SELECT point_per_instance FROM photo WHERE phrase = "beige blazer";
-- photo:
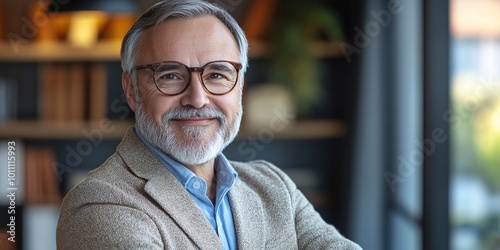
(133, 202)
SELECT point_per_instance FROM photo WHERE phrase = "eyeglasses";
(172, 78)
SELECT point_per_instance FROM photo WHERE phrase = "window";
(475, 124)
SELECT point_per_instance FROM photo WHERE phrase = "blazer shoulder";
(256, 166)
(261, 172)
(112, 181)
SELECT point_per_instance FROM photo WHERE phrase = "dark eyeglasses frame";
(155, 66)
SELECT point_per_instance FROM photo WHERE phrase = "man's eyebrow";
(220, 66)
(169, 66)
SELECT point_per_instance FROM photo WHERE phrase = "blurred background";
(386, 113)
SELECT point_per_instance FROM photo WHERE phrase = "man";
(168, 186)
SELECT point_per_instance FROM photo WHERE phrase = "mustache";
(188, 112)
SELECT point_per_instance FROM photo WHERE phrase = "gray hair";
(164, 9)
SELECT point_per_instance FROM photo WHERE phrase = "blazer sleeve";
(95, 215)
(105, 226)
(312, 231)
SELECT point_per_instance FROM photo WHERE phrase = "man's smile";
(195, 121)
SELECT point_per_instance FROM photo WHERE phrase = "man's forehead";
(185, 25)
(188, 35)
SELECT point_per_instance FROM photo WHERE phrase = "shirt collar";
(226, 175)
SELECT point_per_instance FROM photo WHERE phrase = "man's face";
(194, 126)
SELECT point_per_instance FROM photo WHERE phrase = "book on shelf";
(73, 91)
(6, 244)
(32, 184)
(98, 92)
(2, 24)
(8, 99)
(50, 185)
(77, 92)
(60, 90)
(41, 183)
(13, 19)
(47, 95)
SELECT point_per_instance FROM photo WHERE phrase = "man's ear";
(128, 89)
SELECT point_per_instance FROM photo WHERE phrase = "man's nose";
(195, 95)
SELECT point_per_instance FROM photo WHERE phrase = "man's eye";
(216, 76)
(169, 77)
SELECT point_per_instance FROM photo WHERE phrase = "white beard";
(194, 149)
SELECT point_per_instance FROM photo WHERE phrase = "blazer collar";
(164, 188)
(248, 214)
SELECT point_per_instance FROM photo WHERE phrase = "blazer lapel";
(175, 200)
(164, 188)
(248, 216)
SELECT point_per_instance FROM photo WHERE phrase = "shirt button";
(196, 184)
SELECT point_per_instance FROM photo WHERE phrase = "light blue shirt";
(219, 215)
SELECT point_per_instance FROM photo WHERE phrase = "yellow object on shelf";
(85, 27)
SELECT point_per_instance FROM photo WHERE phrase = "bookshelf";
(46, 53)
(110, 51)
(59, 51)
(53, 130)
(308, 129)
(52, 125)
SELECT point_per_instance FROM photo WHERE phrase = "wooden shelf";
(115, 129)
(39, 130)
(50, 51)
(310, 129)
(260, 49)
(110, 51)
